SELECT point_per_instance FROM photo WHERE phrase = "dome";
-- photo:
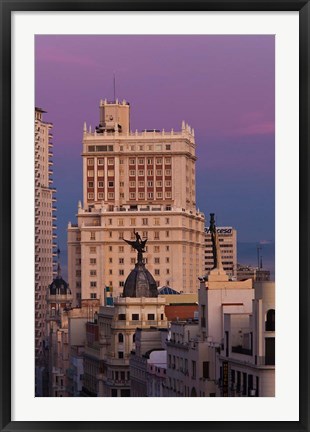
(140, 283)
(59, 286)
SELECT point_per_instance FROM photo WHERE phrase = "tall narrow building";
(135, 181)
(44, 237)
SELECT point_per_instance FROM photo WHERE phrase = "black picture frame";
(6, 9)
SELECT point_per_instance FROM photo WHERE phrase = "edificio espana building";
(228, 244)
(135, 181)
(44, 237)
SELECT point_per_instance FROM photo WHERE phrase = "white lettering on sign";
(220, 230)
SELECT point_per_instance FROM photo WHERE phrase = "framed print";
(155, 180)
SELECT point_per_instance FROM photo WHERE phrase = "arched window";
(270, 320)
(120, 337)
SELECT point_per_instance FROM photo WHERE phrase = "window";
(132, 172)
(156, 260)
(168, 147)
(93, 272)
(150, 195)
(121, 184)
(132, 184)
(193, 369)
(150, 184)
(135, 317)
(121, 260)
(156, 249)
(132, 260)
(132, 161)
(205, 369)
(120, 354)
(110, 195)
(110, 221)
(168, 194)
(144, 221)
(78, 273)
(149, 172)
(110, 161)
(93, 295)
(167, 160)
(168, 183)
(120, 337)
(100, 161)
(167, 233)
(93, 236)
(158, 147)
(90, 184)
(111, 184)
(167, 172)
(90, 162)
(92, 249)
(92, 261)
(270, 320)
(93, 284)
(90, 196)
(167, 248)
(159, 183)
(141, 161)
(159, 161)
(110, 248)
(121, 317)
(157, 272)
(159, 195)
(100, 173)
(141, 172)
(121, 161)
(159, 172)
(100, 195)
(132, 195)
(120, 222)
(156, 235)
(151, 317)
(121, 283)
(167, 220)
(156, 221)
(141, 184)
(167, 271)
(121, 272)
(150, 161)
(141, 195)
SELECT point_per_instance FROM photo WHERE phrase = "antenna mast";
(114, 86)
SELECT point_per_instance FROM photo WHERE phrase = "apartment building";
(228, 244)
(135, 181)
(45, 236)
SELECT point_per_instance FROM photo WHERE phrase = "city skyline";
(222, 85)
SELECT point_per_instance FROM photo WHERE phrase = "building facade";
(135, 181)
(45, 235)
(255, 273)
(228, 244)
(247, 358)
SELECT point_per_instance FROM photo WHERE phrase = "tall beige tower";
(44, 232)
(142, 181)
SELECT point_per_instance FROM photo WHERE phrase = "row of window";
(136, 317)
(132, 195)
(121, 236)
(149, 147)
(140, 173)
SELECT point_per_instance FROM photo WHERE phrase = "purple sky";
(223, 86)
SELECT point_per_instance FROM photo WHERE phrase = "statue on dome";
(138, 245)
